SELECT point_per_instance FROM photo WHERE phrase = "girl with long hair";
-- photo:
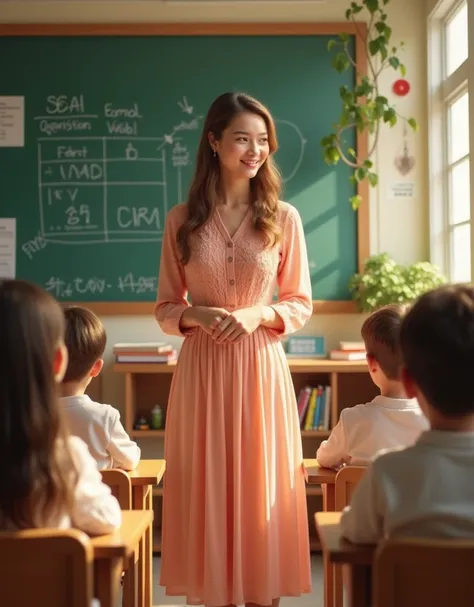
(235, 527)
(47, 478)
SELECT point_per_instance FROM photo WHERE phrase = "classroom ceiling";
(171, 1)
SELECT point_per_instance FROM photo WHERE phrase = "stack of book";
(145, 352)
(349, 350)
(314, 407)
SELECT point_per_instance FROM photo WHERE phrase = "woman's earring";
(215, 154)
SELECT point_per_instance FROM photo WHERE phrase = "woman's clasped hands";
(229, 327)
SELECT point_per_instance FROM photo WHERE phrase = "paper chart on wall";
(401, 190)
(12, 122)
(7, 248)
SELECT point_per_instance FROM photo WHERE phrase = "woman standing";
(235, 526)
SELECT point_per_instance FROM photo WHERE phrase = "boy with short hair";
(390, 419)
(426, 490)
(98, 425)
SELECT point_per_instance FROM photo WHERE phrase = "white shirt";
(100, 428)
(364, 430)
(423, 491)
(95, 510)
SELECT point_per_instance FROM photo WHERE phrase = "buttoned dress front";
(235, 526)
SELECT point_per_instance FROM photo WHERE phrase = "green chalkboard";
(111, 125)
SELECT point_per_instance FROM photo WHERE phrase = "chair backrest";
(46, 567)
(346, 481)
(418, 572)
(120, 485)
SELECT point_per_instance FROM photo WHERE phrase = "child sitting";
(390, 419)
(98, 425)
(427, 489)
(48, 478)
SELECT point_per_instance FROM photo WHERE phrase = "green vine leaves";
(363, 107)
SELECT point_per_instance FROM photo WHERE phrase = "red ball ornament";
(401, 87)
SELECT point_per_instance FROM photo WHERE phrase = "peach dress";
(235, 526)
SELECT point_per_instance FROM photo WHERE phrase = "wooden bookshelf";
(149, 384)
(314, 433)
(147, 433)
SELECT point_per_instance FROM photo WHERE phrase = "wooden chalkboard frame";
(358, 30)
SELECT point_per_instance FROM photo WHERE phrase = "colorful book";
(308, 424)
(303, 402)
(347, 355)
(145, 347)
(137, 357)
(352, 345)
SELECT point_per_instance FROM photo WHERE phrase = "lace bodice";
(235, 272)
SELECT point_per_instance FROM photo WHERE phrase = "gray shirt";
(426, 490)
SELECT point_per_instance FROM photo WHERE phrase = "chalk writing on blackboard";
(86, 189)
(113, 188)
(33, 246)
(128, 283)
(185, 107)
(294, 131)
(180, 158)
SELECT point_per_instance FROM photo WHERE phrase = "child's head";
(381, 332)
(34, 359)
(85, 341)
(437, 342)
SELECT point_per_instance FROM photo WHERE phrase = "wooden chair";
(121, 487)
(418, 572)
(346, 481)
(46, 567)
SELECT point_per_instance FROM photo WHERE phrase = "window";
(450, 164)
(456, 39)
(459, 207)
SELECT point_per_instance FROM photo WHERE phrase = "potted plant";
(383, 282)
(363, 106)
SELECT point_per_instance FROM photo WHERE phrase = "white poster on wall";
(7, 248)
(12, 122)
(401, 190)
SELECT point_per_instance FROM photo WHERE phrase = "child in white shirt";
(390, 419)
(48, 478)
(97, 424)
(426, 490)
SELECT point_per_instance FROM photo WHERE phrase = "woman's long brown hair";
(204, 193)
(37, 474)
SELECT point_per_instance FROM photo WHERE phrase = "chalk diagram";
(116, 188)
(291, 139)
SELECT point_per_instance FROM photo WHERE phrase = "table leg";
(329, 505)
(107, 574)
(329, 497)
(149, 554)
(142, 500)
(130, 595)
(360, 578)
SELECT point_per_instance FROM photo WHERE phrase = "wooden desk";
(358, 557)
(149, 472)
(110, 552)
(317, 475)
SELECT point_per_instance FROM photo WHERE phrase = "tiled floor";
(315, 599)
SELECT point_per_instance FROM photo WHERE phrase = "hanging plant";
(363, 107)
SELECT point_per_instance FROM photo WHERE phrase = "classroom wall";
(398, 227)
(429, 5)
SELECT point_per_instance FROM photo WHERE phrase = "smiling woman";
(219, 162)
(244, 145)
(234, 519)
